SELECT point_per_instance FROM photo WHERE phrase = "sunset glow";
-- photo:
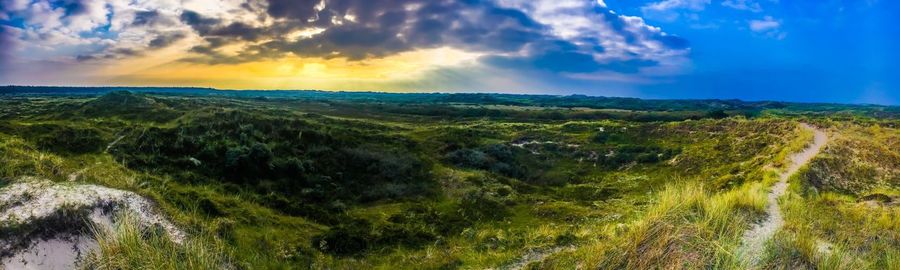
(749, 49)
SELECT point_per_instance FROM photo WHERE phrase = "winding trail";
(754, 240)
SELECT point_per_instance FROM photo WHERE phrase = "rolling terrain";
(208, 179)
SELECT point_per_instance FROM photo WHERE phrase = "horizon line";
(438, 92)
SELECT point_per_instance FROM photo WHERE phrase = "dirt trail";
(113, 143)
(754, 240)
(534, 256)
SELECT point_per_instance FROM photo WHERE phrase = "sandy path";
(754, 240)
(113, 143)
(534, 256)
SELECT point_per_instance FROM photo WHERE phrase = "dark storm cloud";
(238, 30)
(363, 29)
(164, 40)
(201, 24)
(126, 52)
(215, 31)
(145, 17)
(358, 30)
(106, 54)
(303, 9)
(153, 19)
(85, 58)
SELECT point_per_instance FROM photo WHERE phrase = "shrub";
(66, 139)
(346, 239)
(477, 205)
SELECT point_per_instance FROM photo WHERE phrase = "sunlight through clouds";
(256, 42)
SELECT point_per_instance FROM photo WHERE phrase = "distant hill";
(128, 105)
(569, 101)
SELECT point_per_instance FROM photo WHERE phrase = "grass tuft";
(128, 246)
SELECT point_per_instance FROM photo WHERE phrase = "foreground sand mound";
(47, 225)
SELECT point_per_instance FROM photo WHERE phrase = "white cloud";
(87, 28)
(769, 27)
(106, 30)
(622, 37)
(14, 5)
(748, 5)
(766, 24)
(667, 5)
(671, 10)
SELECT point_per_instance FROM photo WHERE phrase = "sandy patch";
(30, 201)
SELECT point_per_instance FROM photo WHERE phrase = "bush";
(496, 158)
(408, 235)
(477, 205)
(298, 167)
(716, 114)
(66, 139)
(346, 239)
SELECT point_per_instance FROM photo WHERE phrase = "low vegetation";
(436, 181)
(842, 211)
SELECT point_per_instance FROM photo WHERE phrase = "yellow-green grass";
(830, 230)
(128, 246)
(835, 216)
(689, 226)
(683, 211)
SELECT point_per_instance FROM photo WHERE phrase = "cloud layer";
(552, 37)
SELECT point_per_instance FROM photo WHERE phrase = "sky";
(813, 51)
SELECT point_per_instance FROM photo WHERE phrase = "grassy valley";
(316, 180)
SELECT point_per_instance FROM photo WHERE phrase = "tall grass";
(22, 159)
(828, 222)
(689, 226)
(686, 223)
(828, 230)
(129, 246)
(804, 139)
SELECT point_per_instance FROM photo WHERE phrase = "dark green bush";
(299, 167)
(498, 158)
(349, 238)
(477, 205)
(66, 139)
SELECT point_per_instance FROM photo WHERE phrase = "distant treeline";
(550, 101)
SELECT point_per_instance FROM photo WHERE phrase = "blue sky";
(837, 51)
(816, 51)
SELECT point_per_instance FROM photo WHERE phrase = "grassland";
(842, 211)
(464, 181)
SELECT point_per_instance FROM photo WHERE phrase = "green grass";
(629, 210)
(830, 222)
(128, 246)
(689, 225)
(862, 235)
